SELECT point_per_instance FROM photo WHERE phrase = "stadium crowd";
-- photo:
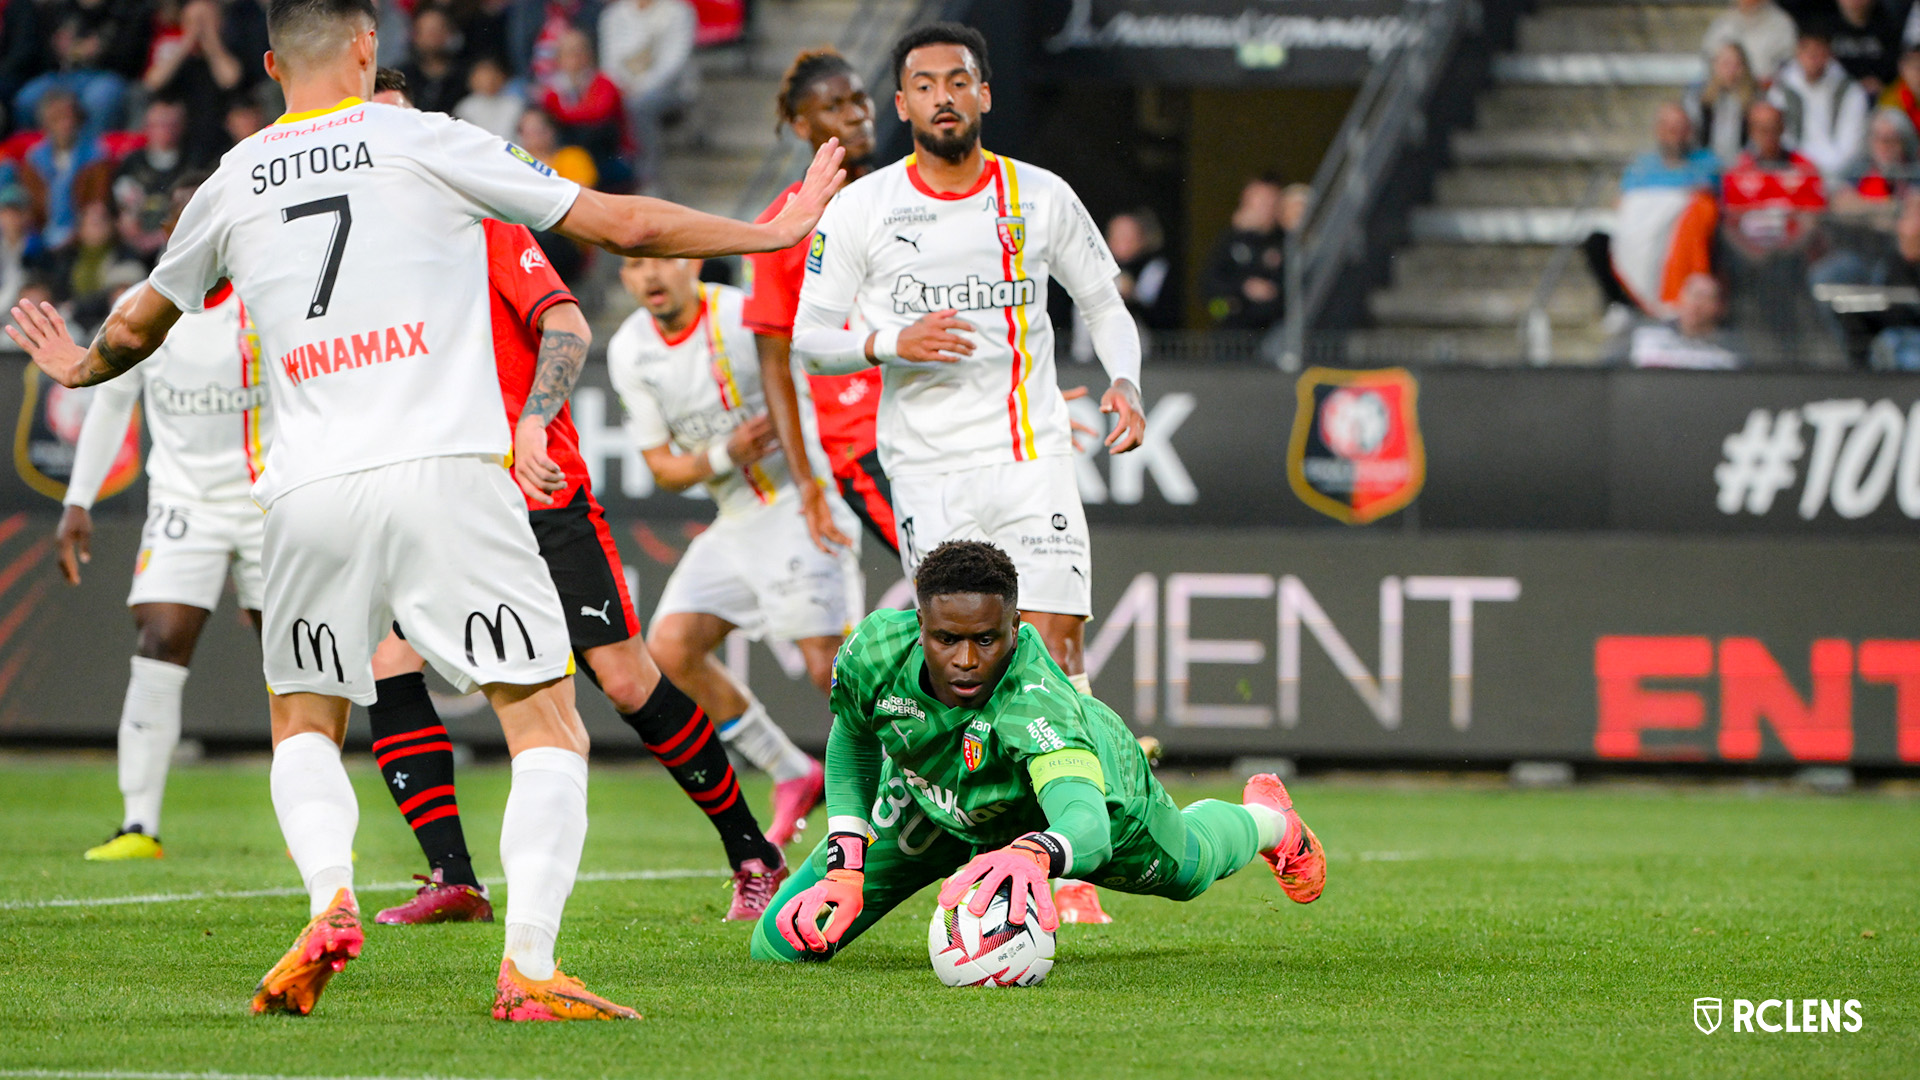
(1778, 205)
(112, 110)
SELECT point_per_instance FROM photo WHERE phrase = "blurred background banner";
(1659, 451)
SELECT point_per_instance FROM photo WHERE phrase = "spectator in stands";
(1692, 339)
(1762, 30)
(1866, 42)
(1872, 182)
(65, 168)
(1717, 108)
(534, 28)
(1888, 339)
(20, 247)
(436, 81)
(586, 104)
(1772, 194)
(1663, 224)
(21, 56)
(97, 47)
(243, 118)
(490, 103)
(648, 46)
(540, 136)
(79, 270)
(143, 185)
(1138, 245)
(190, 64)
(1242, 277)
(1825, 111)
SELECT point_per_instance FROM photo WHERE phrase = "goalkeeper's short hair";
(966, 566)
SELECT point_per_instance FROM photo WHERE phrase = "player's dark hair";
(940, 33)
(297, 27)
(810, 67)
(390, 80)
(966, 566)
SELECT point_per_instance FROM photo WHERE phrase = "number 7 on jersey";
(343, 223)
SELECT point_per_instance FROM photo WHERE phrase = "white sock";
(149, 730)
(541, 835)
(318, 814)
(758, 739)
(1082, 683)
(1270, 823)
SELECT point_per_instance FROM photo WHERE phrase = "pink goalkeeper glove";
(1028, 862)
(838, 893)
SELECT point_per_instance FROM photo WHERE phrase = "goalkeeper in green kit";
(959, 748)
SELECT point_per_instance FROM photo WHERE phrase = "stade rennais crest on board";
(48, 433)
(1356, 453)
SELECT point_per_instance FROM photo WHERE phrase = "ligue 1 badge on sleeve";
(1356, 453)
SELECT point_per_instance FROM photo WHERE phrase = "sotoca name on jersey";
(209, 400)
(910, 295)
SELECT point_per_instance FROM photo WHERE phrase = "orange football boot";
(1299, 862)
(330, 939)
(1079, 902)
(559, 998)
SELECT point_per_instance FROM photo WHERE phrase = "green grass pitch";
(1465, 930)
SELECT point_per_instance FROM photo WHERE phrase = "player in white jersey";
(687, 369)
(354, 232)
(206, 407)
(943, 258)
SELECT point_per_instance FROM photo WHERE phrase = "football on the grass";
(988, 950)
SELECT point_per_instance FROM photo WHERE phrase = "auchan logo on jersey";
(354, 351)
(912, 296)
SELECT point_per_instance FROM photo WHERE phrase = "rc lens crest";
(1013, 233)
(973, 750)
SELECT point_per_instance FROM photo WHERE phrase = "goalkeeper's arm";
(853, 777)
(1072, 794)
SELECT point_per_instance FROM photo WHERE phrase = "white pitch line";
(250, 894)
(117, 1074)
(127, 1075)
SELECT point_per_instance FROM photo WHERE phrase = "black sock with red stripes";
(416, 759)
(678, 733)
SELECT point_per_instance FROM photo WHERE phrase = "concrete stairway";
(1567, 110)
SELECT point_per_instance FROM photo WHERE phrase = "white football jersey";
(353, 233)
(693, 390)
(206, 406)
(889, 250)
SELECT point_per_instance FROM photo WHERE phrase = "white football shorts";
(439, 544)
(760, 571)
(190, 547)
(1028, 509)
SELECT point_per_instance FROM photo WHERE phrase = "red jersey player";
(821, 98)
(540, 343)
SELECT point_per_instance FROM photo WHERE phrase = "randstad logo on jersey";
(912, 296)
(210, 400)
(373, 347)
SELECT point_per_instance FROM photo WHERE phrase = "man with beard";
(942, 262)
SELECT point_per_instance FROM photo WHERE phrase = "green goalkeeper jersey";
(975, 771)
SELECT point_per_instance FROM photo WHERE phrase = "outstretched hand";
(42, 334)
(1130, 425)
(824, 179)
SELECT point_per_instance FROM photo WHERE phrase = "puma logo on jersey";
(210, 400)
(912, 296)
(1040, 686)
(531, 258)
(911, 241)
(600, 614)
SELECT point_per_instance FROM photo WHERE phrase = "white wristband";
(886, 346)
(718, 459)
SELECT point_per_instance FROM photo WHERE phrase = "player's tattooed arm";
(133, 330)
(564, 336)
